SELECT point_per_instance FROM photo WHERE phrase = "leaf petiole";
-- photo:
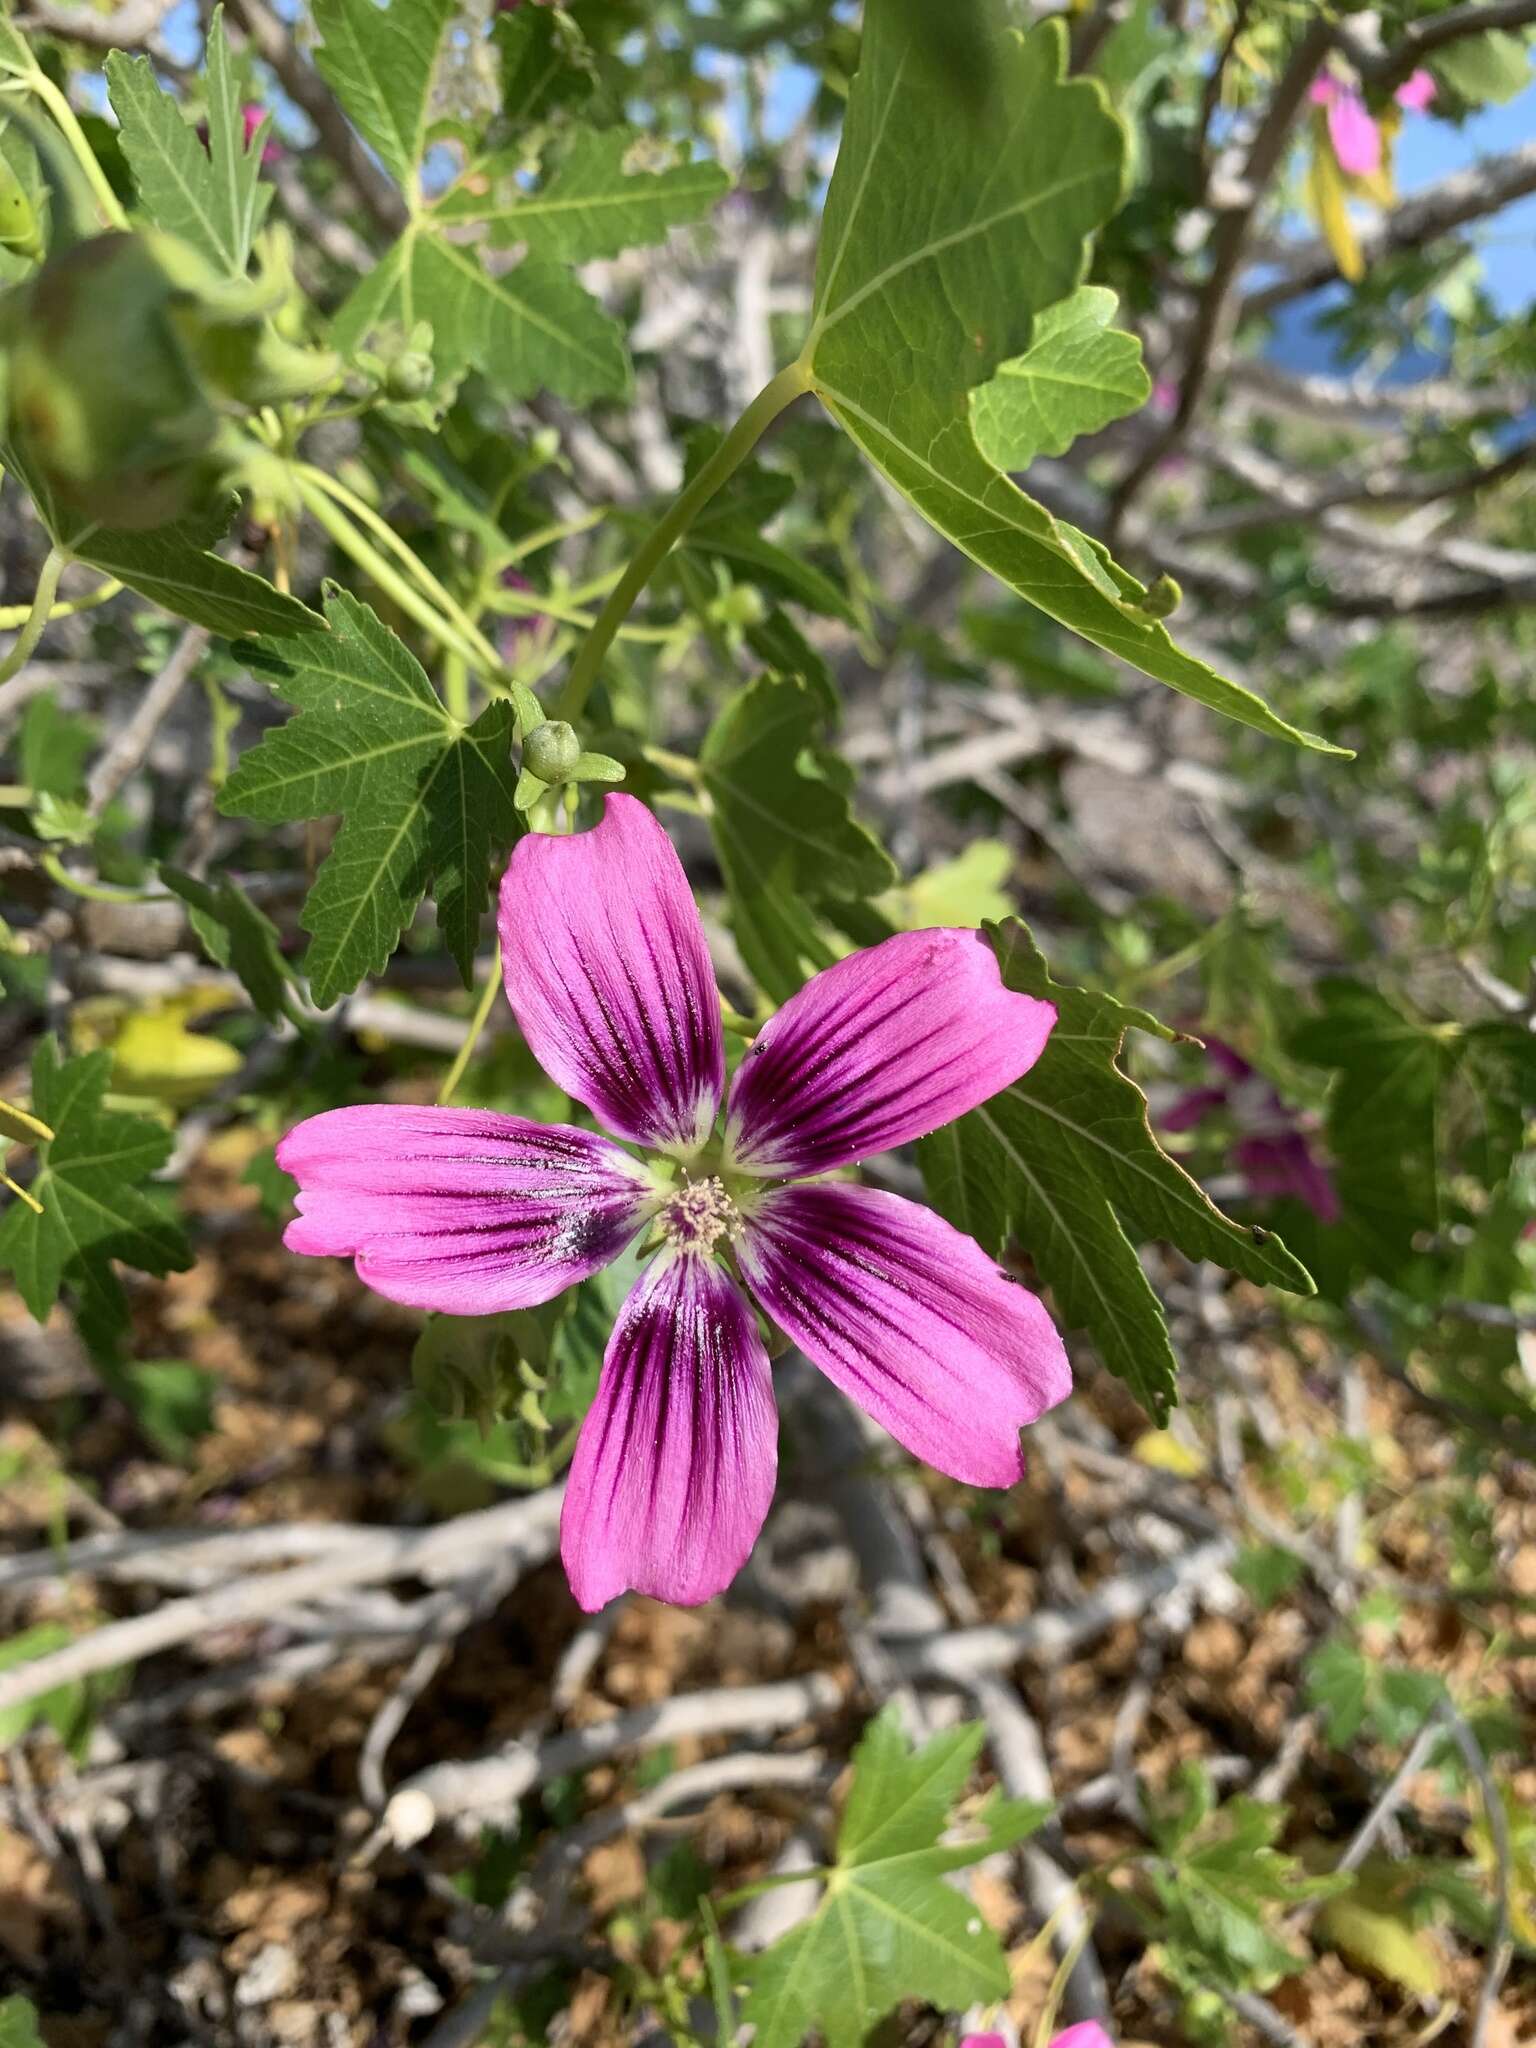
(465, 1053)
(779, 393)
(37, 615)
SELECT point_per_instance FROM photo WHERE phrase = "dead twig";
(524, 1532)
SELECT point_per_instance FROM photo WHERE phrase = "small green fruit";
(551, 751)
(410, 375)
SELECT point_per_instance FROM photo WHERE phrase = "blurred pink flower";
(251, 118)
(1353, 131)
(518, 632)
(1272, 1151)
(1416, 93)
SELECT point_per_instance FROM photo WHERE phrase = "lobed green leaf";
(425, 801)
(943, 239)
(1065, 1161)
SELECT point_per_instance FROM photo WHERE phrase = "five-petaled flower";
(609, 978)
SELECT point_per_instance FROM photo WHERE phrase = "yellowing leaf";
(1165, 1452)
(1382, 1944)
(966, 890)
(157, 1054)
(1326, 201)
(154, 1050)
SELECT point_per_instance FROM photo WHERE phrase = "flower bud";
(410, 375)
(107, 409)
(551, 751)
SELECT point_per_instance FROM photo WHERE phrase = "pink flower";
(1086, 2034)
(251, 118)
(1417, 92)
(608, 975)
(1272, 1151)
(1355, 136)
(518, 632)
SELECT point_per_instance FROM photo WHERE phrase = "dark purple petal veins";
(459, 1209)
(609, 976)
(911, 1319)
(675, 1466)
(882, 1048)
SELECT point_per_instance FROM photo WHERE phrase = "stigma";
(698, 1214)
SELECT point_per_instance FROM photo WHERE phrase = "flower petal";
(882, 1048)
(1417, 91)
(1192, 1108)
(675, 1465)
(1280, 1163)
(1086, 2034)
(608, 975)
(1356, 138)
(460, 1209)
(912, 1320)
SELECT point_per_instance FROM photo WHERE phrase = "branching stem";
(779, 393)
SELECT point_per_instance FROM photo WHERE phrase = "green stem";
(484, 653)
(456, 685)
(733, 451)
(14, 615)
(37, 616)
(64, 115)
(389, 579)
(465, 1053)
(93, 892)
(546, 536)
(539, 605)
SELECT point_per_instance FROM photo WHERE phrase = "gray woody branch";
(1216, 314)
(1385, 70)
(1450, 203)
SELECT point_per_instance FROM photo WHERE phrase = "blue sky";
(1427, 149)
